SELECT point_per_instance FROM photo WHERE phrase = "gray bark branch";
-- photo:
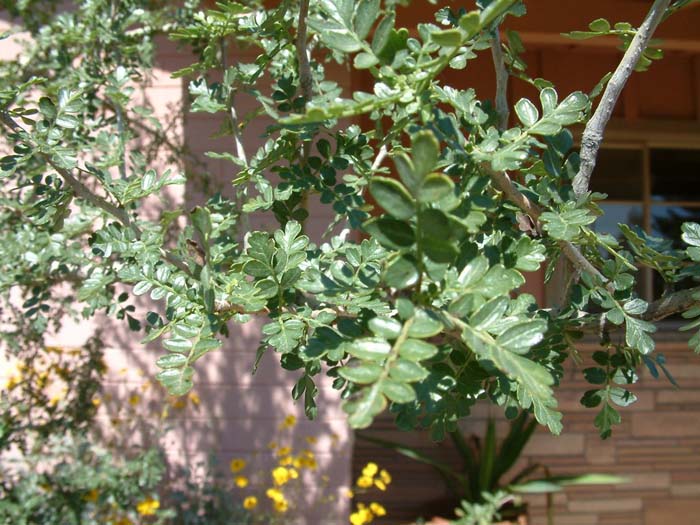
(501, 81)
(595, 128)
(503, 182)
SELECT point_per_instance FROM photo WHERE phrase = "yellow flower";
(385, 476)
(364, 482)
(96, 401)
(361, 517)
(194, 398)
(275, 494)
(286, 461)
(148, 507)
(293, 474)
(288, 422)
(250, 502)
(13, 381)
(379, 484)
(306, 460)
(134, 399)
(349, 494)
(377, 509)
(237, 465)
(92, 495)
(178, 403)
(280, 475)
(241, 481)
(370, 469)
(42, 379)
(57, 398)
(282, 505)
(284, 451)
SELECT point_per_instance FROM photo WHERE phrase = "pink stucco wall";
(234, 414)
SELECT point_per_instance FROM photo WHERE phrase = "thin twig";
(572, 253)
(305, 82)
(671, 304)
(595, 128)
(233, 115)
(381, 155)
(305, 78)
(122, 142)
(501, 81)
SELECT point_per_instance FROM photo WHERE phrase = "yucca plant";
(485, 465)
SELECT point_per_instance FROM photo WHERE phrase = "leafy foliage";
(420, 308)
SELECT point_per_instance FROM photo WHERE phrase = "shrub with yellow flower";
(147, 507)
(237, 465)
(371, 476)
(241, 481)
(282, 483)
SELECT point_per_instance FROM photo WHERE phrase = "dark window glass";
(666, 222)
(675, 175)
(616, 213)
(619, 173)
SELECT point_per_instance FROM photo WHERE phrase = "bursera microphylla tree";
(418, 307)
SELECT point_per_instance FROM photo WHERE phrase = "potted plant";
(484, 469)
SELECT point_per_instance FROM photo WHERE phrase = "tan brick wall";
(657, 447)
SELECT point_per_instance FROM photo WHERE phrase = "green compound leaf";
(402, 272)
(435, 187)
(361, 374)
(392, 233)
(425, 150)
(385, 327)
(520, 337)
(362, 411)
(637, 335)
(407, 371)
(397, 391)
(171, 361)
(393, 197)
(600, 25)
(527, 112)
(407, 172)
(417, 350)
(424, 325)
(371, 349)
(566, 225)
(447, 37)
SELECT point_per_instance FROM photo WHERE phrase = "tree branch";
(233, 115)
(305, 79)
(662, 308)
(670, 304)
(503, 182)
(381, 155)
(501, 81)
(595, 128)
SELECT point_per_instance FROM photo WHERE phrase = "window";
(657, 188)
